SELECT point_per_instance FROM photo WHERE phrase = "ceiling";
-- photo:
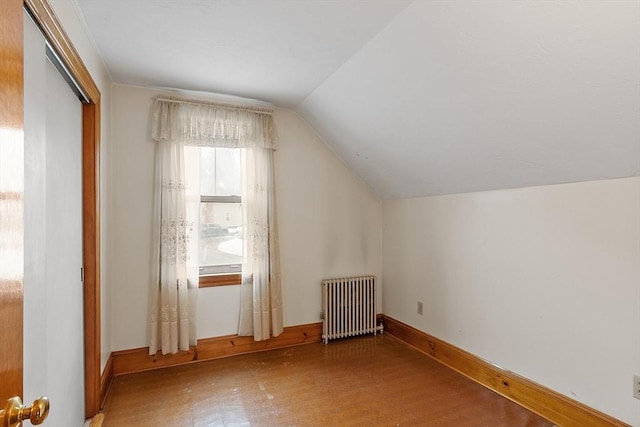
(275, 51)
(417, 98)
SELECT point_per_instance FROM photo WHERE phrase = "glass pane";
(220, 233)
(220, 171)
(207, 171)
(228, 177)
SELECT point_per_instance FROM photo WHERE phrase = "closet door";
(53, 294)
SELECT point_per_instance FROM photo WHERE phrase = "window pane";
(220, 234)
(220, 171)
(207, 171)
(228, 177)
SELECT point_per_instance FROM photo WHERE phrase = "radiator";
(348, 307)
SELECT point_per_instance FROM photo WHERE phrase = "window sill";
(220, 280)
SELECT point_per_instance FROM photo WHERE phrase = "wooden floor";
(367, 381)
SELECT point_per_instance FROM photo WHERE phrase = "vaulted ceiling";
(418, 98)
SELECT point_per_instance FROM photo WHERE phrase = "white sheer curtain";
(179, 123)
(174, 269)
(261, 294)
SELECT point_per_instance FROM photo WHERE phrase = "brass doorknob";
(15, 412)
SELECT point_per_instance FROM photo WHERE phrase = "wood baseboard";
(215, 348)
(545, 402)
(138, 359)
(105, 381)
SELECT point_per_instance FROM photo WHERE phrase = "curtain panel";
(178, 123)
(260, 294)
(174, 269)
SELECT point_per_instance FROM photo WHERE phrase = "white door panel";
(35, 290)
(53, 315)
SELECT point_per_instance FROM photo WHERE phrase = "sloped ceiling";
(275, 51)
(420, 98)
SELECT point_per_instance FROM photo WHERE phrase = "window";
(181, 128)
(220, 240)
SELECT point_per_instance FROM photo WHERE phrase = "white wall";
(329, 221)
(543, 281)
(73, 23)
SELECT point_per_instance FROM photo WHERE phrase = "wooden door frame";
(60, 42)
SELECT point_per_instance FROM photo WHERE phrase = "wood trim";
(215, 348)
(220, 280)
(105, 381)
(543, 401)
(91, 255)
(138, 359)
(51, 27)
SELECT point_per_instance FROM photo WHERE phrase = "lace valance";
(213, 125)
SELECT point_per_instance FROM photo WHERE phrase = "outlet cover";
(420, 308)
(636, 386)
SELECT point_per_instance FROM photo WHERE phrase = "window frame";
(224, 279)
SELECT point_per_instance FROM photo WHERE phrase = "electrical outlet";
(636, 386)
(420, 308)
